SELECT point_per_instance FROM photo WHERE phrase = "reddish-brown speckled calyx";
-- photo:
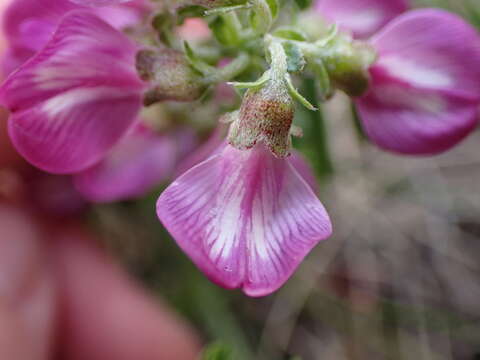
(170, 76)
(266, 116)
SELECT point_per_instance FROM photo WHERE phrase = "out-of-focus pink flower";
(76, 98)
(141, 161)
(245, 217)
(29, 24)
(362, 17)
(425, 89)
(194, 30)
(98, 2)
(54, 196)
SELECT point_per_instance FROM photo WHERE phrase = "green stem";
(278, 64)
(230, 71)
(315, 133)
(357, 125)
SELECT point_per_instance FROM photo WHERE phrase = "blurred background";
(399, 279)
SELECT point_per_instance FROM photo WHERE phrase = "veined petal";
(431, 49)
(132, 168)
(425, 87)
(415, 121)
(304, 169)
(361, 17)
(211, 146)
(76, 98)
(29, 24)
(246, 218)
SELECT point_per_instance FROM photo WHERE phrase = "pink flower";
(28, 24)
(137, 164)
(425, 85)
(246, 218)
(76, 98)
(361, 17)
(98, 2)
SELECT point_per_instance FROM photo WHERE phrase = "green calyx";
(267, 110)
(346, 62)
(169, 75)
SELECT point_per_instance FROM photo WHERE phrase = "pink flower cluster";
(74, 96)
(246, 218)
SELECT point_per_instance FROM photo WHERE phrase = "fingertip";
(107, 316)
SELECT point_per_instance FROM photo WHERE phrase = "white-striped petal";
(246, 218)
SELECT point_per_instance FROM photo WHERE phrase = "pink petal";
(211, 146)
(246, 218)
(76, 98)
(417, 122)
(425, 85)
(304, 169)
(29, 24)
(98, 2)
(141, 161)
(361, 17)
(431, 49)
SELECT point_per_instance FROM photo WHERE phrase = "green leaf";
(254, 84)
(195, 62)
(295, 60)
(190, 11)
(226, 9)
(303, 4)
(274, 6)
(290, 34)
(163, 23)
(217, 351)
(322, 78)
(261, 16)
(331, 34)
(297, 96)
(223, 32)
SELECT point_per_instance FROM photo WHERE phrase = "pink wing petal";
(246, 218)
(361, 17)
(304, 169)
(74, 100)
(29, 24)
(133, 167)
(431, 49)
(98, 2)
(425, 85)
(416, 122)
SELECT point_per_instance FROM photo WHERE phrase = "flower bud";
(266, 116)
(347, 62)
(170, 75)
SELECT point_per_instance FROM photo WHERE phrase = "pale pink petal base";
(362, 17)
(246, 218)
(76, 98)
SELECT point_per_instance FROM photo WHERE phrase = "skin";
(62, 298)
